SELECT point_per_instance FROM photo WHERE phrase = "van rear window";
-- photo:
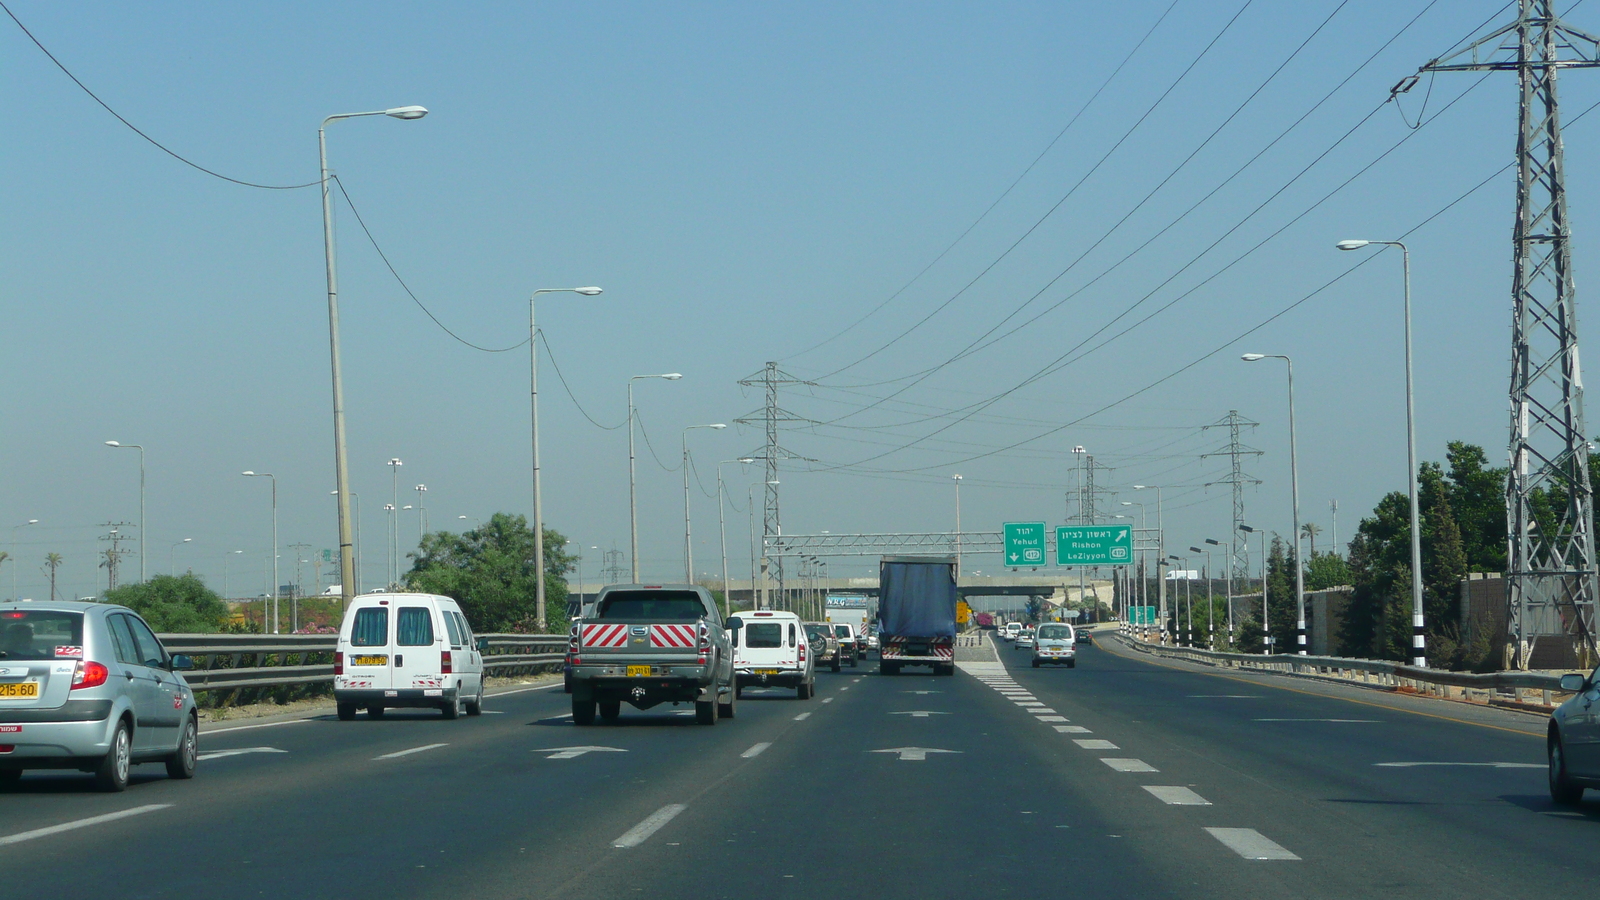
(763, 635)
(371, 628)
(414, 627)
(653, 606)
(41, 634)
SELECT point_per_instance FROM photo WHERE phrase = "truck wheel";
(888, 668)
(705, 712)
(948, 669)
(854, 661)
(347, 712)
(836, 663)
(727, 710)
(610, 709)
(375, 712)
(803, 691)
(1072, 664)
(582, 712)
(1036, 664)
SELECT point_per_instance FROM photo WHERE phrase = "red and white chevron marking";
(605, 636)
(680, 637)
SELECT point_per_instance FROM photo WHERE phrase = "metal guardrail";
(276, 660)
(1378, 672)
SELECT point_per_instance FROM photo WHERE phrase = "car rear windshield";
(371, 627)
(763, 635)
(41, 634)
(816, 631)
(841, 630)
(1055, 633)
(653, 606)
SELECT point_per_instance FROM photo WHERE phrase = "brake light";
(338, 663)
(444, 663)
(89, 674)
(802, 651)
(7, 748)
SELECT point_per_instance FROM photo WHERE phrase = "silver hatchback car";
(88, 686)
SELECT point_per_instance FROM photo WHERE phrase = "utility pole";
(1552, 568)
(299, 585)
(1239, 552)
(1333, 510)
(770, 417)
(115, 553)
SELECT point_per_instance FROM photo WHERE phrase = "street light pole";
(341, 467)
(393, 575)
(538, 499)
(1229, 582)
(1266, 630)
(1294, 484)
(957, 479)
(142, 575)
(356, 498)
(422, 514)
(722, 529)
(15, 561)
(172, 556)
(225, 592)
(633, 495)
(1188, 629)
(1419, 654)
(274, 542)
(688, 546)
(1161, 554)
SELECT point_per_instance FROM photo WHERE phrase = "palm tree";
(1311, 530)
(52, 561)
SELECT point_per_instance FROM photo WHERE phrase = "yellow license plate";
(25, 689)
(638, 671)
(766, 671)
(379, 660)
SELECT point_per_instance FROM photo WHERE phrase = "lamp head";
(588, 291)
(1351, 245)
(1127, 503)
(247, 472)
(406, 112)
(113, 444)
(672, 376)
(33, 521)
(718, 426)
(747, 459)
(1213, 543)
(1195, 550)
(1252, 357)
(1247, 528)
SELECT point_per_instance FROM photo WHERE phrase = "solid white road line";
(81, 823)
(1225, 696)
(400, 753)
(641, 832)
(220, 754)
(1249, 843)
(1488, 765)
(1095, 744)
(1073, 729)
(755, 751)
(542, 687)
(1175, 795)
(1350, 721)
(1128, 765)
(210, 731)
(802, 717)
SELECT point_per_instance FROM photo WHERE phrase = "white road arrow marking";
(919, 713)
(219, 754)
(913, 754)
(575, 752)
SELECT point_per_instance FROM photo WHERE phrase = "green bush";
(174, 604)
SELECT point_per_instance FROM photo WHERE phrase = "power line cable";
(640, 419)
(570, 395)
(134, 128)
(1003, 194)
(1040, 221)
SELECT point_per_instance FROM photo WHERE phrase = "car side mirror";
(483, 645)
(1573, 683)
(734, 623)
(180, 661)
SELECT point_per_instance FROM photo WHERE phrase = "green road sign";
(1094, 545)
(1141, 615)
(1024, 543)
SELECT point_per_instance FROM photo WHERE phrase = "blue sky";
(745, 182)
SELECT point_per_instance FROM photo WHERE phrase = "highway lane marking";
(211, 731)
(652, 823)
(827, 699)
(913, 754)
(1095, 744)
(399, 753)
(802, 717)
(1130, 655)
(1342, 721)
(919, 713)
(756, 750)
(1486, 765)
(1027, 703)
(219, 754)
(845, 688)
(542, 687)
(1250, 843)
(1128, 765)
(1042, 711)
(492, 712)
(81, 823)
(1225, 697)
(1053, 718)
(922, 692)
(1175, 795)
(567, 752)
(1073, 729)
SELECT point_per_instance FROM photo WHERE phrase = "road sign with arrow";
(1024, 544)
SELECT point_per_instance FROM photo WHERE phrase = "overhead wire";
(637, 417)
(563, 379)
(134, 128)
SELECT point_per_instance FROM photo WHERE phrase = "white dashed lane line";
(222, 754)
(755, 751)
(1128, 765)
(400, 753)
(81, 823)
(827, 699)
(641, 832)
(1250, 843)
(802, 717)
(1072, 729)
(1175, 795)
(1095, 744)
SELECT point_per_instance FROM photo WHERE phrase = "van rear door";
(418, 650)
(369, 659)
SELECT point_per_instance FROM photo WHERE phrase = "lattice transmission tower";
(771, 417)
(1550, 566)
(1237, 479)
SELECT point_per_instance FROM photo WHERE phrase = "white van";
(1012, 631)
(407, 650)
(771, 647)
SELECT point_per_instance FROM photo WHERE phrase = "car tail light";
(89, 674)
(7, 748)
(338, 663)
(577, 660)
(704, 645)
(444, 663)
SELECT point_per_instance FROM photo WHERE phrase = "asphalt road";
(794, 799)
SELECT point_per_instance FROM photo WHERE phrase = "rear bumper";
(781, 678)
(58, 744)
(393, 698)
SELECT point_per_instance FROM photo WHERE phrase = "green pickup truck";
(651, 644)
